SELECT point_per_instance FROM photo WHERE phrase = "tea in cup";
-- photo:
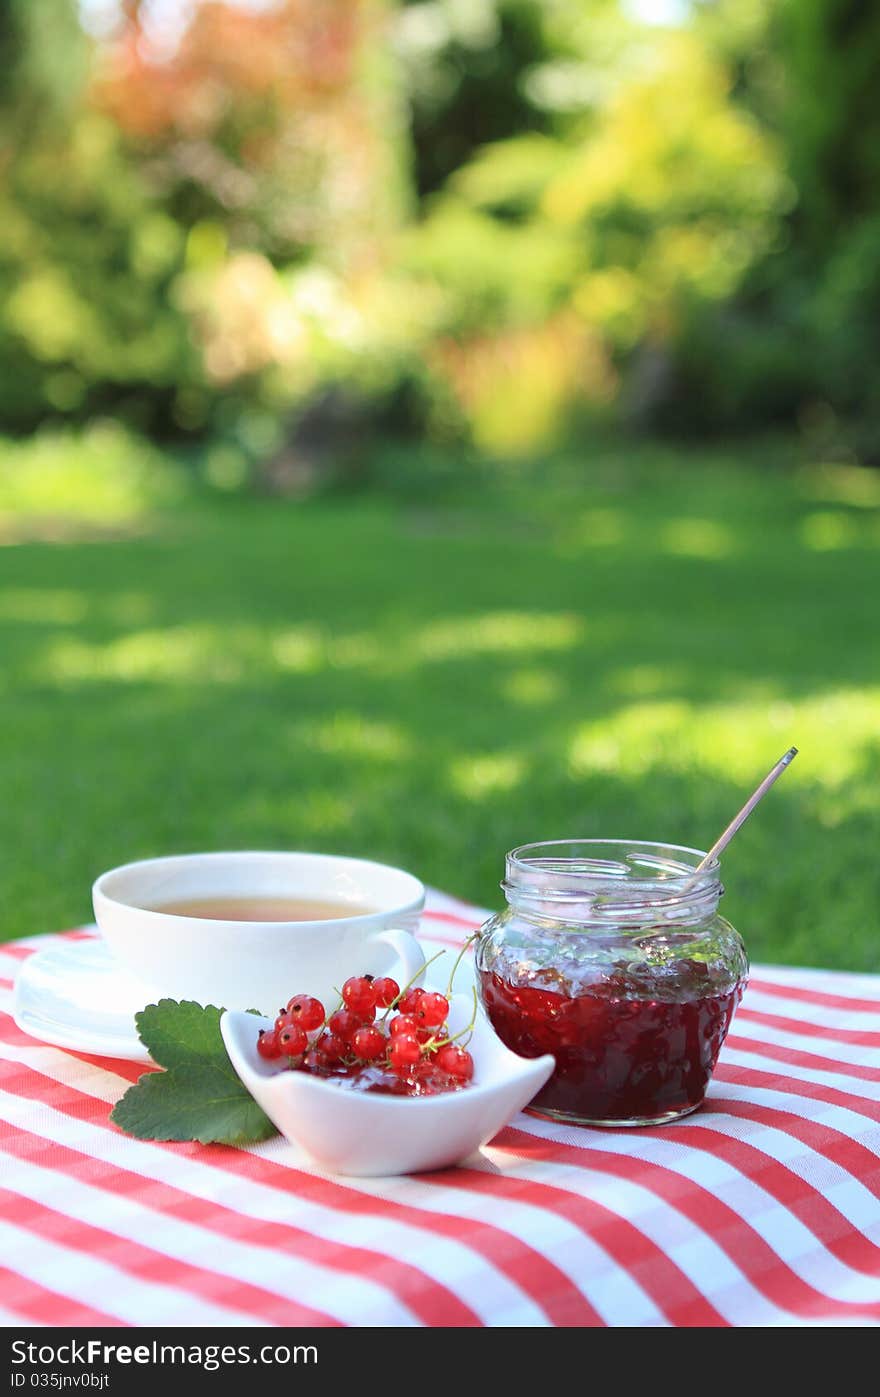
(246, 930)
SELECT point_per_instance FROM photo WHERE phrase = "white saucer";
(74, 995)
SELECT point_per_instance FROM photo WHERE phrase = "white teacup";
(238, 964)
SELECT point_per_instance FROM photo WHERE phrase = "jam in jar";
(611, 955)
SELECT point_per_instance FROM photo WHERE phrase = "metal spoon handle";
(724, 839)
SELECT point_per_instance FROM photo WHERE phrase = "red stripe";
(834, 1145)
(812, 1062)
(41, 1306)
(149, 1267)
(767, 1050)
(797, 1058)
(536, 1275)
(859, 1037)
(121, 1067)
(558, 1318)
(820, 997)
(428, 934)
(827, 1223)
(76, 933)
(794, 1086)
(472, 923)
(768, 1274)
(671, 1290)
(428, 1299)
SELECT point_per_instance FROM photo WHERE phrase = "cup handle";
(408, 951)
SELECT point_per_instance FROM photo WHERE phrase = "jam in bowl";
(612, 957)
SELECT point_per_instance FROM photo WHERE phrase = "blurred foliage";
(264, 124)
(303, 222)
(608, 240)
(62, 483)
(157, 215)
(467, 66)
(86, 256)
(800, 341)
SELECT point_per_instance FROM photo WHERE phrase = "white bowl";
(370, 1134)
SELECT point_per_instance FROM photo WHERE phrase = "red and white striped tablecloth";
(763, 1208)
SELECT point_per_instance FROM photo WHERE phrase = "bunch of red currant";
(411, 1039)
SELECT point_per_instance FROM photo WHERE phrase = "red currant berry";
(386, 991)
(306, 1011)
(456, 1061)
(368, 1043)
(267, 1045)
(314, 1061)
(344, 1024)
(293, 1039)
(282, 1021)
(433, 1009)
(403, 1023)
(331, 1047)
(404, 1053)
(359, 996)
(409, 1001)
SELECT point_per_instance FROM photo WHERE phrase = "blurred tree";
(800, 341)
(270, 122)
(827, 281)
(275, 139)
(466, 65)
(681, 220)
(44, 60)
(152, 203)
(597, 247)
(85, 259)
(831, 116)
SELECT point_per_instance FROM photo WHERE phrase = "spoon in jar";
(724, 839)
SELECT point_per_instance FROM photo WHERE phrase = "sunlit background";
(432, 427)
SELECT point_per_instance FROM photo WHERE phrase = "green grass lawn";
(618, 648)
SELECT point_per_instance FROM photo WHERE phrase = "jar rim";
(648, 875)
(516, 857)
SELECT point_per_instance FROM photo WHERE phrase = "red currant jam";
(426, 1079)
(619, 1059)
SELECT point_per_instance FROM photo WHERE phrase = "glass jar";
(611, 955)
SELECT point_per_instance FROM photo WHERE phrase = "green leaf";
(199, 1096)
(179, 1033)
(204, 1102)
